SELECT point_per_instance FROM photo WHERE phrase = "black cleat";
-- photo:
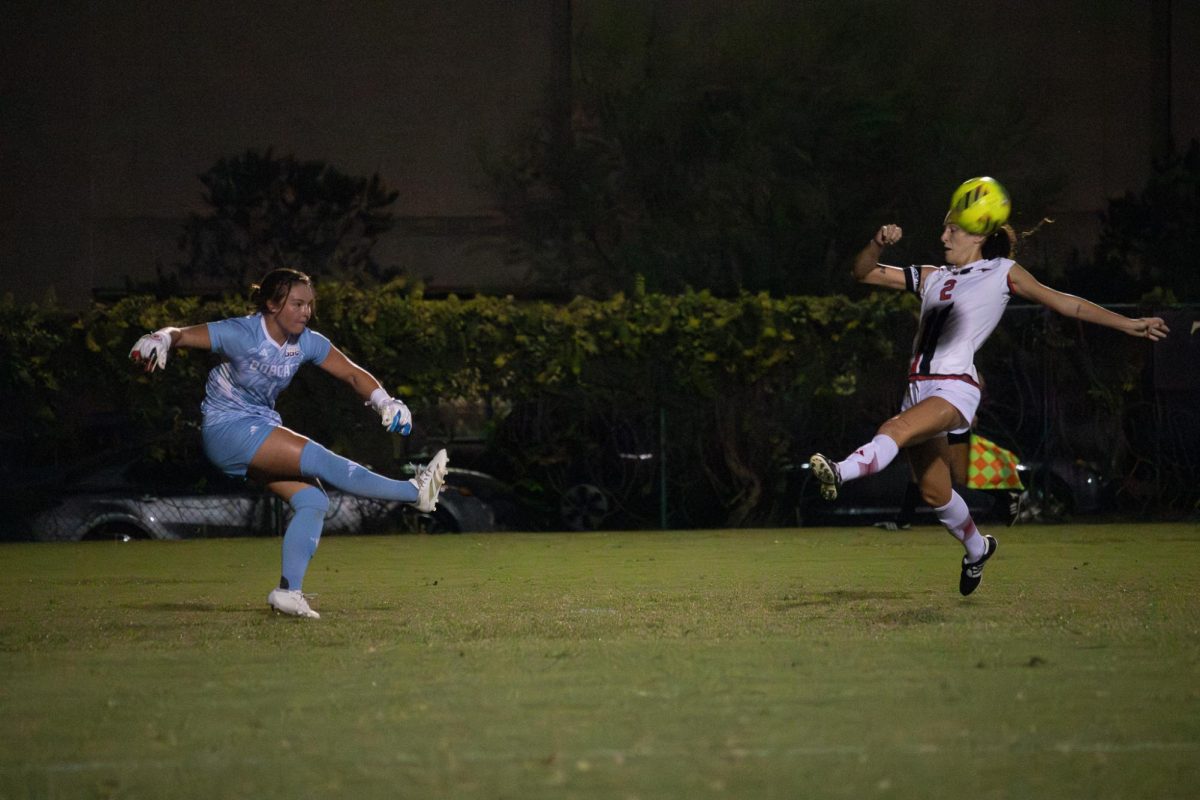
(972, 573)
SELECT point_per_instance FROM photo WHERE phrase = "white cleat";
(429, 482)
(291, 602)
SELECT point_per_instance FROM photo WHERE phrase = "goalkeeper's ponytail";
(275, 286)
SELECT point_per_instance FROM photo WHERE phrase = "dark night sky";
(109, 111)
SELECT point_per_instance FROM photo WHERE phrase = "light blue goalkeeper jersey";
(254, 369)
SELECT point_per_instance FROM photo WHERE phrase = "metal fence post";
(662, 467)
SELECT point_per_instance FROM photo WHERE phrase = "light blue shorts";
(231, 445)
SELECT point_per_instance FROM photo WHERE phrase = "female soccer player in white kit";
(243, 433)
(961, 303)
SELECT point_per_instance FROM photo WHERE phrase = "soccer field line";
(613, 755)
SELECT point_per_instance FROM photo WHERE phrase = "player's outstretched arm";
(395, 414)
(867, 268)
(150, 351)
(1028, 287)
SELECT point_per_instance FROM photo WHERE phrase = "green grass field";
(734, 664)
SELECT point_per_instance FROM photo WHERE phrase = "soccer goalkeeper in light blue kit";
(243, 433)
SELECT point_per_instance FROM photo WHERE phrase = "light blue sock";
(341, 473)
(302, 535)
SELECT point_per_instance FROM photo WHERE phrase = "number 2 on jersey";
(947, 288)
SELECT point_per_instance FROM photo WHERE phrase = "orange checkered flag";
(991, 466)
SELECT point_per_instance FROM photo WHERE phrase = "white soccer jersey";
(960, 307)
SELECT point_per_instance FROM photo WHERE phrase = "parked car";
(1052, 492)
(133, 495)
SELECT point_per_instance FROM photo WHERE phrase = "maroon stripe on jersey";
(913, 378)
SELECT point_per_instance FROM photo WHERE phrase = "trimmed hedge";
(725, 391)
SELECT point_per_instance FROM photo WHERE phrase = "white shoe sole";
(823, 470)
(288, 609)
(427, 501)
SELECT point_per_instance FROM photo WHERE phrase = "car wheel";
(408, 520)
(583, 507)
(114, 532)
(1047, 499)
(437, 522)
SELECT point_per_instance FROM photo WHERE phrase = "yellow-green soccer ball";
(979, 206)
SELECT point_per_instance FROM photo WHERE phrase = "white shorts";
(960, 394)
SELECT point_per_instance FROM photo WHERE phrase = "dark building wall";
(1102, 75)
(108, 111)
(111, 110)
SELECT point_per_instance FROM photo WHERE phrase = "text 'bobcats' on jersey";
(254, 368)
(959, 309)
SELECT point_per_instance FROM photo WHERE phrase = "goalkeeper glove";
(152, 350)
(396, 416)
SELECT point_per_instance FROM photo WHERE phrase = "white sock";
(869, 459)
(957, 518)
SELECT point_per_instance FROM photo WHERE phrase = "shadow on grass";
(836, 597)
(913, 616)
(205, 607)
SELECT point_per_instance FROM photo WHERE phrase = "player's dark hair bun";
(1001, 243)
(275, 286)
